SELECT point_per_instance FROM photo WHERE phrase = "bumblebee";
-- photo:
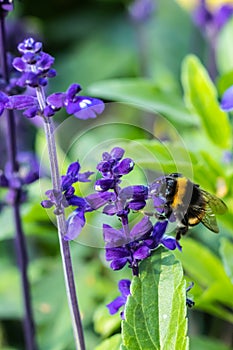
(186, 202)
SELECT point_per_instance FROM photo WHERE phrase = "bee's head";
(163, 187)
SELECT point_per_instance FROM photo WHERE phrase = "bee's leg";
(182, 225)
(160, 216)
(181, 231)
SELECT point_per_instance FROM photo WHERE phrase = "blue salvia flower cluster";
(28, 172)
(66, 197)
(35, 67)
(126, 245)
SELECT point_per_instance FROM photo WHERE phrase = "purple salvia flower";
(116, 304)
(120, 249)
(227, 157)
(35, 65)
(82, 107)
(99, 199)
(75, 222)
(57, 199)
(212, 22)
(144, 238)
(112, 168)
(157, 237)
(3, 101)
(73, 175)
(222, 15)
(66, 197)
(227, 100)
(142, 10)
(6, 5)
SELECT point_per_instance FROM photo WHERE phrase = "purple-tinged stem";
(62, 228)
(20, 243)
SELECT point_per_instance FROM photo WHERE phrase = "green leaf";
(104, 323)
(212, 287)
(200, 263)
(155, 313)
(226, 251)
(201, 97)
(164, 157)
(145, 95)
(224, 49)
(10, 301)
(112, 343)
(198, 343)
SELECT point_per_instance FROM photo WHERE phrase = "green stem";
(62, 228)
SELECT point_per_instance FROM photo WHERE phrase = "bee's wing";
(214, 203)
(209, 220)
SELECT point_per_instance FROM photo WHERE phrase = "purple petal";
(116, 253)
(3, 98)
(29, 44)
(49, 111)
(3, 101)
(104, 184)
(45, 62)
(97, 200)
(31, 176)
(19, 64)
(134, 192)
(72, 91)
(47, 204)
(141, 228)
(75, 223)
(28, 78)
(124, 287)
(73, 169)
(113, 237)
(115, 305)
(110, 209)
(141, 10)
(202, 16)
(104, 167)
(29, 57)
(66, 182)
(159, 230)
(31, 112)
(159, 204)
(77, 201)
(51, 73)
(86, 108)
(118, 264)
(169, 243)
(117, 153)
(1, 109)
(124, 167)
(141, 253)
(136, 205)
(56, 100)
(84, 177)
(69, 192)
(222, 15)
(3, 180)
(227, 100)
(21, 102)
(7, 5)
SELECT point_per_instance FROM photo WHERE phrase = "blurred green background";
(141, 70)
